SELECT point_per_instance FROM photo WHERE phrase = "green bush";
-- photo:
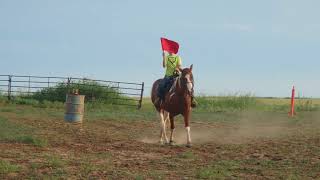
(91, 89)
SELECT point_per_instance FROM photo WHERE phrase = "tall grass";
(283, 105)
(3, 98)
(306, 105)
(225, 103)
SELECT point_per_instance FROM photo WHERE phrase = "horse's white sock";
(188, 135)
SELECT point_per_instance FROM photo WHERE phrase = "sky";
(236, 47)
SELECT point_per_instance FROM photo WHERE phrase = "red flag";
(170, 46)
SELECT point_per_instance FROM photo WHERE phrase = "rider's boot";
(194, 103)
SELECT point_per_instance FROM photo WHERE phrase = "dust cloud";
(250, 126)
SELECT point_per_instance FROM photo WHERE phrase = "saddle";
(167, 86)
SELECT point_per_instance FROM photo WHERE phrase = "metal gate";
(124, 93)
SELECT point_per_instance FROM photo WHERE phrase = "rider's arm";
(178, 67)
(163, 60)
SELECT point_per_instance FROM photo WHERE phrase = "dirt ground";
(250, 148)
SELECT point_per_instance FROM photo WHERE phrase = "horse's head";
(186, 79)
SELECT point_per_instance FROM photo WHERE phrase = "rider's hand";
(176, 72)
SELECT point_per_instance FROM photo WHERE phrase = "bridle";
(186, 81)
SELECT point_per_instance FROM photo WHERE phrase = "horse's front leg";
(188, 137)
(172, 130)
(187, 126)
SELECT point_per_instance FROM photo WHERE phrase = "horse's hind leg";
(163, 119)
(166, 118)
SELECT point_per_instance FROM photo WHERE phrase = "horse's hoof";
(189, 145)
(172, 143)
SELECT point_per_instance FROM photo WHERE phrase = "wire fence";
(125, 93)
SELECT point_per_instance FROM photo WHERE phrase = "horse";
(177, 101)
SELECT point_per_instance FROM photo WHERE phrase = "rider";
(172, 63)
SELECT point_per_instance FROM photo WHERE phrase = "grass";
(12, 132)
(228, 169)
(187, 155)
(32, 140)
(222, 109)
(207, 106)
(155, 175)
(54, 161)
(86, 168)
(149, 175)
(57, 164)
(219, 170)
(6, 167)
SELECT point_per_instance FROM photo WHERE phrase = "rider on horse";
(172, 63)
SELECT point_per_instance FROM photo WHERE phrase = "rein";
(186, 83)
(178, 83)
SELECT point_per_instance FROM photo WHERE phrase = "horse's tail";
(154, 92)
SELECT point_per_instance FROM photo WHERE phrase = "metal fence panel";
(14, 86)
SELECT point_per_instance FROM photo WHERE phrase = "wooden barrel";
(74, 108)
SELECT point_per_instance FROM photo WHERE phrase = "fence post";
(141, 96)
(92, 89)
(29, 87)
(9, 87)
(68, 85)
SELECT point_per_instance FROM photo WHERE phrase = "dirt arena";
(253, 145)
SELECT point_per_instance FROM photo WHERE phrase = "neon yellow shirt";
(171, 62)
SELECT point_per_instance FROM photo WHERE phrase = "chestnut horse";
(177, 101)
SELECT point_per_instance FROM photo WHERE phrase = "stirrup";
(194, 103)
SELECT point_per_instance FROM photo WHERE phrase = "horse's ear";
(191, 67)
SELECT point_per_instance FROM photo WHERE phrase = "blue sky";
(247, 46)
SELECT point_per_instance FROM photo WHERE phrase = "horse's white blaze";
(188, 77)
(188, 135)
(189, 86)
(189, 83)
